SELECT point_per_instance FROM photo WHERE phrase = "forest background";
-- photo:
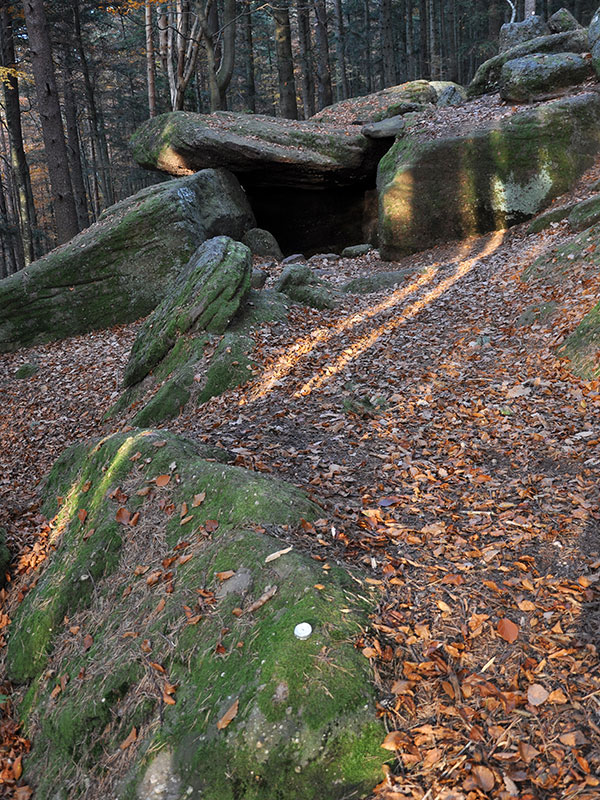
(78, 77)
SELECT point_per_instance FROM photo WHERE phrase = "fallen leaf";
(198, 499)
(88, 641)
(162, 480)
(527, 752)
(484, 777)
(536, 694)
(229, 715)
(82, 514)
(224, 576)
(508, 630)
(277, 554)
(129, 740)
(123, 516)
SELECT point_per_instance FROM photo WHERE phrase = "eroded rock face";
(262, 151)
(562, 20)
(487, 77)
(523, 78)
(118, 269)
(205, 297)
(298, 720)
(514, 33)
(389, 102)
(437, 190)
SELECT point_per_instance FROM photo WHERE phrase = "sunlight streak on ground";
(303, 347)
(365, 342)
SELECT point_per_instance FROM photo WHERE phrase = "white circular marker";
(303, 630)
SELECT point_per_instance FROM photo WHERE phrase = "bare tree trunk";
(288, 106)
(306, 67)
(249, 80)
(368, 59)
(411, 66)
(20, 168)
(325, 92)
(529, 9)
(150, 68)
(73, 148)
(423, 41)
(54, 138)
(388, 72)
(343, 90)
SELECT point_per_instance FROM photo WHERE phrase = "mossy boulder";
(159, 612)
(199, 365)
(562, 20)
(301, 285)
(585, 214)
(388, 102)
(435, 190)
(209, 291)
(523, 78)
(515, 33)
(262, 243)
(27, 370)
(582, 347)
(366, 284)
(117, 270)
(546, 219)
(487, 77)
(263, 151)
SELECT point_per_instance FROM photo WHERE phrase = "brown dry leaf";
(394, 740)
(167, 699)
(129, 740)
(123, 516)
(135, 519)
(211, 525)
(154, 577)
(187, 519)
(224, 576)
(162, 480)
(82, 514)
(198, 499)
(527, 605)
(141, 569)
(74, 629)
(268, 593)
(160, 605)
(536, 694)
(527, 752)
(143, 492)
(161, 443)
(508, 630)
(484, 777)
(558, 697)
(88, 641)
(228, 715)
(23, 793)
(86, 486)
(157, 667)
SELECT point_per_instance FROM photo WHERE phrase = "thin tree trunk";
(54, 138)
(529, 9)
(73, 148)
(411, 66)
(150, 68)
(288, 106)
(343, 90)
(305, 59)
(388, 71)
(368, 58)
(423, 47)
(249, 80)
(325, 92)
(20, 168)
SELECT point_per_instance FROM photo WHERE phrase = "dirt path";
(457, 463)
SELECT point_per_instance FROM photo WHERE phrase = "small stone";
(356, 250)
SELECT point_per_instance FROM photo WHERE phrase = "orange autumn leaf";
(508, 630)
(162, 480)
(123, 516)
(484, 777)
(228, 715)
(129, 740)
(88, 641)
(82, 514)
(198, 499)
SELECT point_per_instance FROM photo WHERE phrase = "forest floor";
(457, 463)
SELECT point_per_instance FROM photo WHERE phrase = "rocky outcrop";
(521, 79)
(585, 214)
(302, 286)
(117, 270)
(262, 243)
(158, 639)
(582, 346)
(515, 33)
(562, 20)
(261, 151)
(437, 190)
(594, 38)
(389, 102)
(487, 77)
(205, 297)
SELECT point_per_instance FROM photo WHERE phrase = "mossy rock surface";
(523, 78)
(546, 219)
(582, 250)
(209, 291)
(515, 33)
(537, 314)
(388, 102)
(201, 365)
(437, 190)
(562, 20)
(585, 214)
(27, 370)
(116, 270)
(302, 286)
(487, 77)
(183, 620)
(366, 284)
(582, 347)
(262, 243)
(266, 151)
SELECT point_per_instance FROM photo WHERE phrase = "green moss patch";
(188, 622)
(582, 347)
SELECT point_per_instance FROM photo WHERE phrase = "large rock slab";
(116, 270)
(487, 77)
(436, 190)
(515, 33)
(158, 637)
(521, 79)
(389, 102)
(263, 151)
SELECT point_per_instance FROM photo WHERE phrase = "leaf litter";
(466, 501)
